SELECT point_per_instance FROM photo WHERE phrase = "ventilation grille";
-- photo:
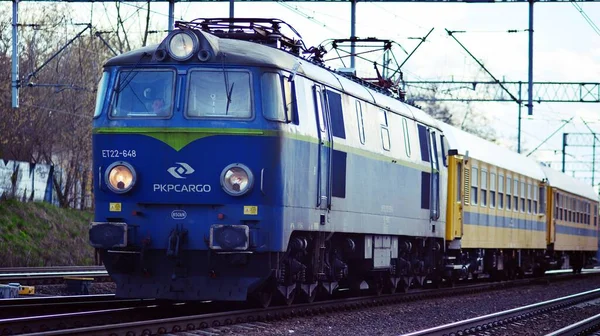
(466, 189)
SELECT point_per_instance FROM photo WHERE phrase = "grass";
(40, 234)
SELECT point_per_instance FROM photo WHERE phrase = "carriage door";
(325, 144)
(435, 177)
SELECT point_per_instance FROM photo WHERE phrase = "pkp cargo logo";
(182, 169)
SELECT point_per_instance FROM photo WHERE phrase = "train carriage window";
(569, 209)
(559, 204)
(361, 124)
(484, 186)
(385, 132)
(143, 94)
(508, 193)
(221, 94)
(500, 191)
(588, 213)
(595, 214)
(535, 198)
(523, 195)
(529, 197)
(406, 137)
(542, 208)
(515, 194)
(492, 190)
(423, 143)
(474, 178)
(571, 214)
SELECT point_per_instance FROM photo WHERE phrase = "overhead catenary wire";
(586, 18)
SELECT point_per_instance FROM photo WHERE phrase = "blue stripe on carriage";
(473, 218)
(575, 231)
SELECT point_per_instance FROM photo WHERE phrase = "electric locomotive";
(229, 167)
(231, 164)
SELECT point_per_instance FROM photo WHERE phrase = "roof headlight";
(236, 179)
(182, 45)
(120, 177)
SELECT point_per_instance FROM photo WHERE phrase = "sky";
(566, 49)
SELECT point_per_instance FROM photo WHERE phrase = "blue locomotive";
(227, 166)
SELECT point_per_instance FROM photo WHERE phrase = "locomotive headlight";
(120, 177)
(182, 45)
(236, 179)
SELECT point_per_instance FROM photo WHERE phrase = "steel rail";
(4, 270)
(227, 317)
(54, 277)
(584, 327)
(490, 321)
(53, 300)
(59, 305)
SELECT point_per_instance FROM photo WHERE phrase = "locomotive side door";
(325, 149)
(434, 185)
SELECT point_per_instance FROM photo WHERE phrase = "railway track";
(36, 306)
(51, 275)
(50, 269)
(510, 319)
(589, 326)
(178, 318)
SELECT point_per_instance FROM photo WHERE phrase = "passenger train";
(229, 165)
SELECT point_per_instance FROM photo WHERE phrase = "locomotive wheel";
(287, 301)
(376, 287)
(390, 288)
(305, 298)
(263, 297)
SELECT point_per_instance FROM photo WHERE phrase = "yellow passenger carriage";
(572, 221)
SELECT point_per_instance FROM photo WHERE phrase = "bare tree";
(472, 122)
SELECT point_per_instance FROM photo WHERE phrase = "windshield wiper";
(121, 85)
(229, 98)
(228, 90)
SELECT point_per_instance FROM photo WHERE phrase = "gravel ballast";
(413, 316)
(61, 290)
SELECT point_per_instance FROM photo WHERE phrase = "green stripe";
(178, 138)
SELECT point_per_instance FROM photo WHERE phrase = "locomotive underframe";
(357, 262)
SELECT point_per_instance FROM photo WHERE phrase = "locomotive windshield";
(219, 94)
(143, 94)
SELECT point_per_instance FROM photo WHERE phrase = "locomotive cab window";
(101, 94)
(219, 94)
(143, 94)
(278, 99)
